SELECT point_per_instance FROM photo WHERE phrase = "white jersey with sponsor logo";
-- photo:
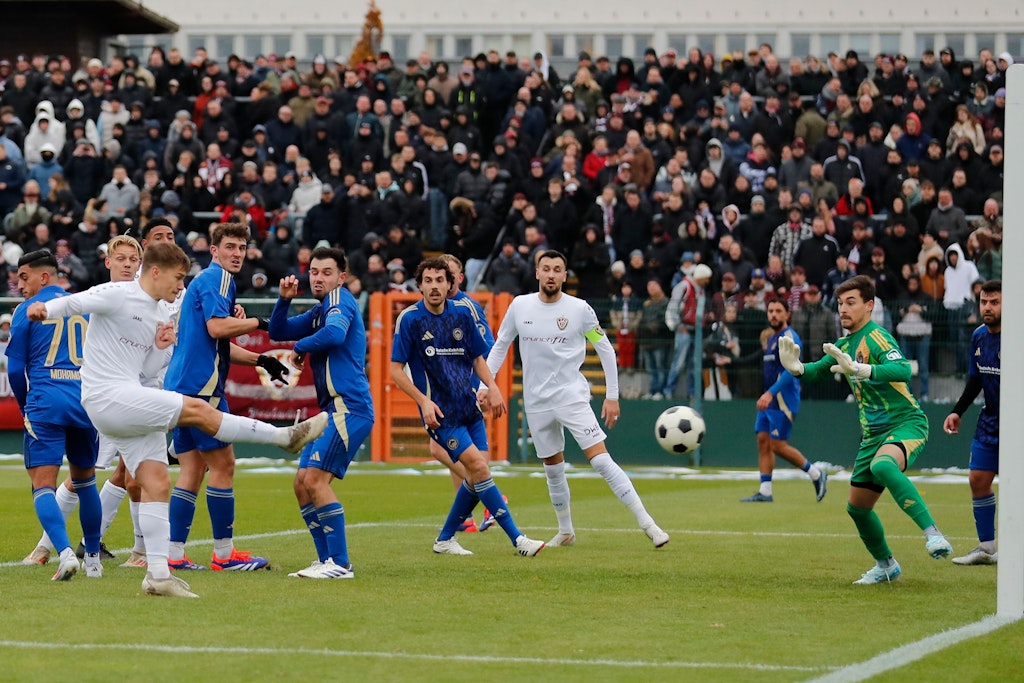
(553, 345)
(120, 347)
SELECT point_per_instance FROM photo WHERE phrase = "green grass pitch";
(742, 592)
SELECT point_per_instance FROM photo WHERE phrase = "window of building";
(679, 42)
(982, 41)
(223, 46)
(435, 46)
(252, 46)
(316, 44)
(889, 43)
(585, 41)
(343, 45)
(828, 42)
(706, 42)
(281, 44)
(736, 42)
(955, 41)
(463, 46)
(612, 47)
(399, 48)
(922, 42)
(769, 38)
(641, 41)
(556, 45)
(194, 43)
(1015, 44)
(522, 45)
(799, 45)
(861, 42)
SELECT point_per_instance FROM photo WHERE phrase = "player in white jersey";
(553, 330)
(124, 256)
(130, 331)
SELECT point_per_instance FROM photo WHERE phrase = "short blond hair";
(124, 240)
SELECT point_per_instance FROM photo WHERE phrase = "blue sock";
(807, 466)
(312, 521)
(332, 519)
(766, 478)
(462, 507)
(45, 501)
(221, 503)
(90, 512)
(491, 497)
(985, 517)
(181, 511)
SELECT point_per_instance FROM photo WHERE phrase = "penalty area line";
(912, 652)
(377, 654)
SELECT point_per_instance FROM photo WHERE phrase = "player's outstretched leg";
(622, 487)
(908, 498)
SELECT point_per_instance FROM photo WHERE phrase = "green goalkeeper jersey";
(884, 400)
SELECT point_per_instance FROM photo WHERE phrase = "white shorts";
(107, 453)
(135, 422)
(547, 428)
(134, 411)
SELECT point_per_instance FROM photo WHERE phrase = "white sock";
(66, 501)
(814, 473)
(156, 527)
(558, 490)
(247, 430)
(111, 496)
(140, 540)
(176, 549)
(622, 487)
(223, 547)
(766, 488)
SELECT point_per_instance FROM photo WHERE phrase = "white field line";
(911, 652)
(408, 656)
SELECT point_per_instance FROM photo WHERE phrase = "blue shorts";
(46, 444)
(455, 440)
(984, 456)
(335, 449)
(194, 439)
(774, 422)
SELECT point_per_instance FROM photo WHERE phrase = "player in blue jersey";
(457, 471)
(43, 361)
(199, 367)
(983, 376)
(437, 338)
(332, 337)
(776, 410)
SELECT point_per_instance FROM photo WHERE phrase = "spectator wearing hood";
(958, 300)
(76, 113)
(113, 112)
(45, 129)
(47, 165)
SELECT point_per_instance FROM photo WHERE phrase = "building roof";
(114, 16)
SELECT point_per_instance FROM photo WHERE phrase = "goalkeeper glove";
(789, 356)
(263, 324)
(277, 370)
(845, 364)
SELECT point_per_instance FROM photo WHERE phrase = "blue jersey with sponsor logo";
(777, 380)
(50, 353)
(481, 324)
(333, 336)
(985, 363)
(439, 350)
(199, 365)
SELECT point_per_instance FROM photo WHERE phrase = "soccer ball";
(679, 430)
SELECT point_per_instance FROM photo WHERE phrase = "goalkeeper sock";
(869, 526)
(907, 497)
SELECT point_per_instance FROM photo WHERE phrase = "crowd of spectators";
(784, 178)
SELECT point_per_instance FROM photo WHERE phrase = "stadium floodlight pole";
(1010, 590)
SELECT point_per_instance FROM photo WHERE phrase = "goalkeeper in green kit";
(894, 429)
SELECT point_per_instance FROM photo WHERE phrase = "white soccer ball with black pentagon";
(679, 430)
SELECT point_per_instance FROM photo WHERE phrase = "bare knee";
(475, 464)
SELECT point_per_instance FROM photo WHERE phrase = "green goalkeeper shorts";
(911, 435)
